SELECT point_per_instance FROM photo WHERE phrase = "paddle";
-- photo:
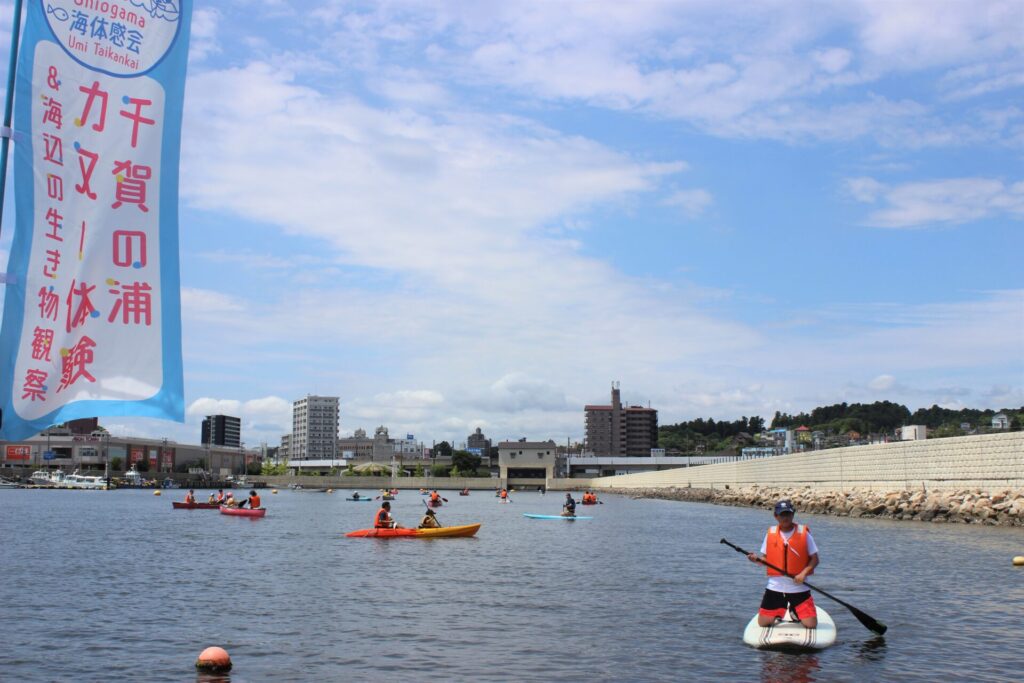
(439, 525)
(869, 622)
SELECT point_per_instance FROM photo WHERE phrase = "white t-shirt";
(784, 584)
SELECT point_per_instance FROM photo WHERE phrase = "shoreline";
(1002, 507)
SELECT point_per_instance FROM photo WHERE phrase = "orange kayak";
(443, 532)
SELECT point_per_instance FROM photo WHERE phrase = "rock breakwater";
(966, 506)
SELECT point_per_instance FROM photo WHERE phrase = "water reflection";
(787, 667)
(873, 649)
(202, 677)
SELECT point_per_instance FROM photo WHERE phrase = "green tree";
(454, 471)
(418, 472)
(438, 471)
(116, 463)
(443, 449)
(465, 461)
(142, 465)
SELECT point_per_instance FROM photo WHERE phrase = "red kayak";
(194, 506)
(243, 512)
(436, 503)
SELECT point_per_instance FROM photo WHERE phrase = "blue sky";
(461, 215)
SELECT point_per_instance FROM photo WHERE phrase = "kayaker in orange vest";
(792, 548)
(429, 520)
(190, 497)
(383, 519)
(435, 497)
(220, 495)
(253, 500)
(503, 495)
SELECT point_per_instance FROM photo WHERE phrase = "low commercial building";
(527, 463)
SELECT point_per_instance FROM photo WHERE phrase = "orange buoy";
(214, 659)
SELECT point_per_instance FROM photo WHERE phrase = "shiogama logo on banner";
(117, 37)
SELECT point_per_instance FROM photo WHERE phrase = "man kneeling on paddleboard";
(792, 548)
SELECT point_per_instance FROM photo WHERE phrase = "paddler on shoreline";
(792, 548)
(429, 520)
(383, 519)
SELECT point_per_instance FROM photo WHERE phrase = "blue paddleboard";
(360, 500)
(526, 514)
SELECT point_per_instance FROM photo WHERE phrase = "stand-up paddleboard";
(359, 500)
(791, 635)
(526, 514)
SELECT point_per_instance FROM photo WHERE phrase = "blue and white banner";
(92, 314)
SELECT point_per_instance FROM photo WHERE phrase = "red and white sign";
(19, 453)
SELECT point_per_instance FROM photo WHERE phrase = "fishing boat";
(95, 482)
(442, 532)
(54, 479)
(133, 478)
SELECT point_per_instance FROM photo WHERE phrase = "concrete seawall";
(969, 479)
(988, 462)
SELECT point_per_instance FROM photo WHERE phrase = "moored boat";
(443, 532)
(242, 512)
(85, 481)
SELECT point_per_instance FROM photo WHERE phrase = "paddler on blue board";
(791, 547)
(569, 507)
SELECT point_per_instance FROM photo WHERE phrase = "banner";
(92, 320)
(19, 453)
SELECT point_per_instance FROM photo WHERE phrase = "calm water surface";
(115, 585)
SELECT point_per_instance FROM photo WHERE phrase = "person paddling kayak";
(220, 496)
(569, 507)
(253, 500)
(383, 519)
(429, 520)
(792, 548)
(355, 495)
(190, 497)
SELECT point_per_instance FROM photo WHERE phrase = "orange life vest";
(254, 501)
(382, 521)
(504, 493)
(189, 498)
(791, 556)
(434, 497)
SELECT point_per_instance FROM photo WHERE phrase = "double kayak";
(443, 532)
(194, 506)
(565, 517)
(243, 512)
(791, 635)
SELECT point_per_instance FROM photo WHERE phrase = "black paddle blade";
(869, 622)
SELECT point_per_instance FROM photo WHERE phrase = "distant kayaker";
(383, 519)
(355, 495)
(569, 507)
(504, 494)
(792, 548)
(190, 497)
(429, 520)
(435, 497)
(230, 501)
(212, 500)
(220, 496)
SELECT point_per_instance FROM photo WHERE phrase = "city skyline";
(455, 217)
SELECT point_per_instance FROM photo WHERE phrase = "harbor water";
(118, 586)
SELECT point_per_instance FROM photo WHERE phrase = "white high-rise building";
(314, 428)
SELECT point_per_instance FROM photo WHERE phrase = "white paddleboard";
(790, 634)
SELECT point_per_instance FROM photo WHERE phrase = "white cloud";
(953, 201)
(691, 202)
(882, 382)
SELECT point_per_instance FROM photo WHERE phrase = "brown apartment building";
(614, 430)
